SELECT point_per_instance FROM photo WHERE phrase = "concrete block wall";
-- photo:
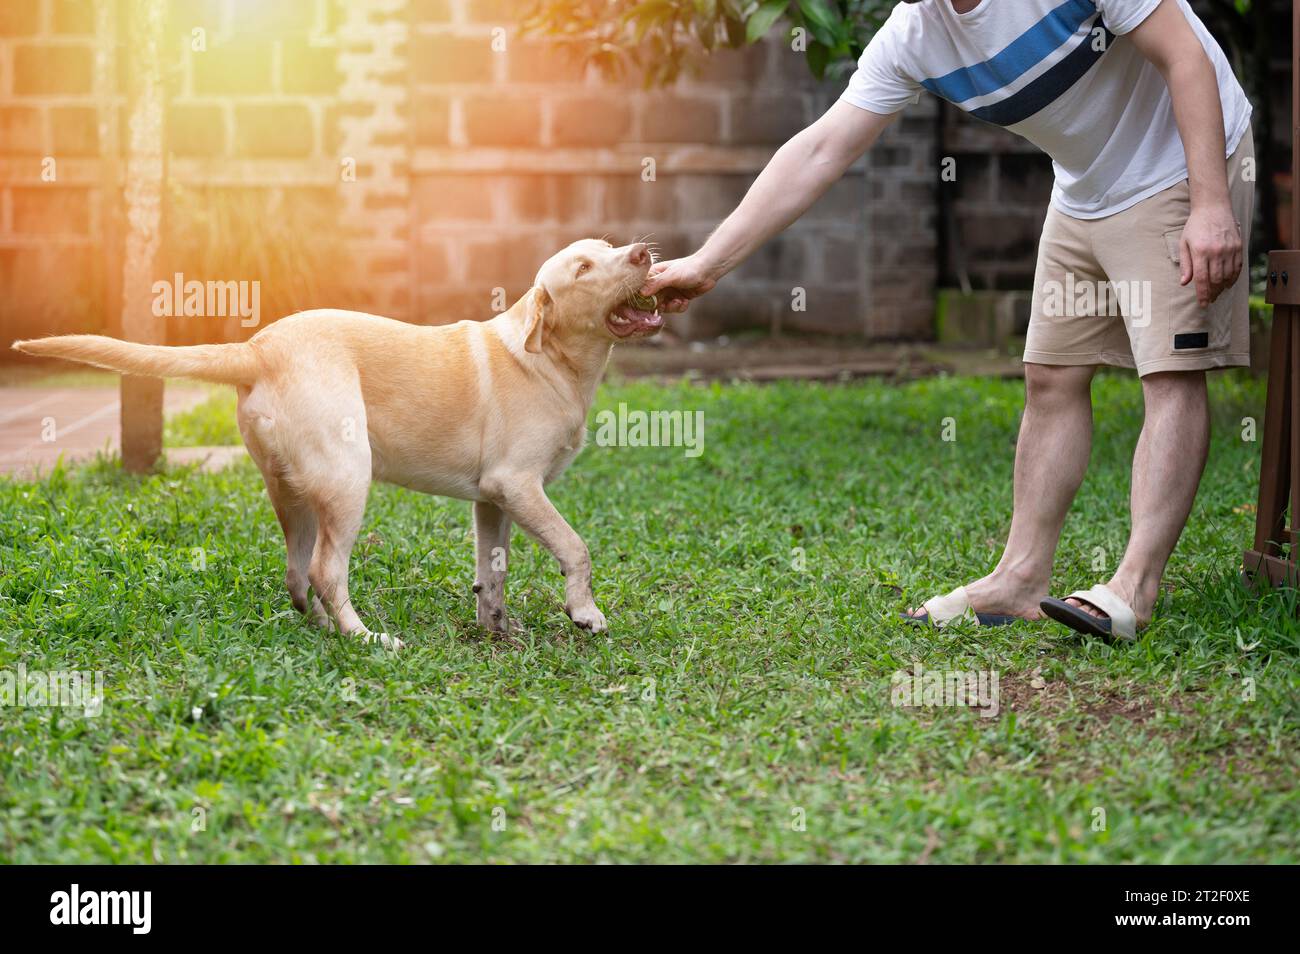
(519, 149)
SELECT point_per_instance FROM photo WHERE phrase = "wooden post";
(1274, 555)
(143, 195)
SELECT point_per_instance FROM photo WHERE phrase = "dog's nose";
(638, 254)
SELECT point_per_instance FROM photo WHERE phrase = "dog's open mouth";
(631, 320)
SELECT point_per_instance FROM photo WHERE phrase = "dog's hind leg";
(299, 525)
(295, 516)
(338, 520)
(491, 557)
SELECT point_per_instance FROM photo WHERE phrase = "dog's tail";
(223, 363)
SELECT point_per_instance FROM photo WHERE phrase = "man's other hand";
(1210, 252)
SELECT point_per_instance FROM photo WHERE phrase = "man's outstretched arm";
(1212, 238)
(797, 176)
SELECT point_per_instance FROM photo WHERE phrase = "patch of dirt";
(1030, 692)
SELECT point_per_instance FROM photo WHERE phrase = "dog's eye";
(584, 267)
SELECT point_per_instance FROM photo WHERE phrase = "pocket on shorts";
(1193, 329)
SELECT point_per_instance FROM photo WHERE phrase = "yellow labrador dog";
(485, 411)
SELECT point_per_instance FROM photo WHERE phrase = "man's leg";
(1051, 458)
(1167, 467)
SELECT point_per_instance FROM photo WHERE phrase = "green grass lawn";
(740, 707)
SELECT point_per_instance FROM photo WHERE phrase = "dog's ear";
(539, 306)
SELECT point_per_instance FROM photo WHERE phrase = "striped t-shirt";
(1062, 75)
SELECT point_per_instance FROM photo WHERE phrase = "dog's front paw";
(587, 617)
(494, 619)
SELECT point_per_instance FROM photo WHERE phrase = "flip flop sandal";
(1122, 622)
(952, 608)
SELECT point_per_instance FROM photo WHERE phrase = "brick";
(780, 260)
(973, 178)
(1003, 237)
(829, 312)
(502, 12)
(788, 67)
(430, 11)
(196, 131)
(452, 59)
(536, 61)
(394, 263)
(563, 199)
(885, 156)
(74, 16)
(1026, 178)
(432, 263)
(45, 69)
(284, 17)
(20, 131)
(305, 68)
(845, 259)
(183, 16)
(49, 290)
(502, 121)
(766, 120)
(376, 202)
(240, 67)
(628, 199)
(590, 121)
(680, 119)
(709, 198)
(273, 131)
(844, 203)
(20, 17)
(741, 67)
(733, 309)
(455, 197)
(51, 211)
(75, 130)
(504, 260)
(440, 305)
(431, 120)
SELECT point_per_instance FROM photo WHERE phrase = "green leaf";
(762, 19)
(824, 24)
(819, 56)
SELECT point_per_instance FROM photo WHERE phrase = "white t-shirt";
(1062, 75)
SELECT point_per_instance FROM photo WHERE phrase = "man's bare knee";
(1176, 386)
(1047, 383)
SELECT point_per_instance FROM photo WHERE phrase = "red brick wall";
(48, 266)
(473, 164)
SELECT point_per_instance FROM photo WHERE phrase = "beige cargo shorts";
(1106, 290)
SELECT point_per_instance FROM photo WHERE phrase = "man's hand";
(1210, 253)
(678, 281)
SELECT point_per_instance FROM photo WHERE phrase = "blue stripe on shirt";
(1049, 86)
(1024, 53)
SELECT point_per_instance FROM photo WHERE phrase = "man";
(1150, 138)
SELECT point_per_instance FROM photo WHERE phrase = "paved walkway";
(40, 424)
